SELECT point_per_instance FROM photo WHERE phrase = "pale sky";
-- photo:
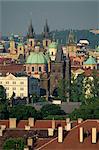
(16, 15)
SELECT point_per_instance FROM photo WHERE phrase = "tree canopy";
(14, 144)
(23, 112)
(51, 109)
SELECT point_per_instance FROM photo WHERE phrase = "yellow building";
(18, 85)
(52, 49)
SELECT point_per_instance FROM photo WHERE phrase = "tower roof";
(90, 61)
(53, 45)
(46, 30)
(71, 37)
(97, 49)
(36, 58)
(30, 30)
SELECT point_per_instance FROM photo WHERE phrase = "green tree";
(62, 89)
(2, 94)
(14, 144)
(77, 89)
(23, 112)
(51, 109)
(34, 98)
(90, 111)
(4, 113)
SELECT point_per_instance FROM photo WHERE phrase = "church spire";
(71, 37)
(46, 30)
(30, 30)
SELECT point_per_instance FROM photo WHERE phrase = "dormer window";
(40, 69)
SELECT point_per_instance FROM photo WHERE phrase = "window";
(32, 69)
(20, 49)
(31, 43)
(52, 53)
(39, 69)
(7, 88)
(46, 43)
(14, 88)
(21, 94)
(7, 94)
(0, 82)
(21, 82)
(21, 89)
(14, 82)
(7, 82)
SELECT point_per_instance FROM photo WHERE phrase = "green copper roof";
(36, 58)
(90, 61)
(20, 44)
(97, 48)
(12, 37)
(53, 45)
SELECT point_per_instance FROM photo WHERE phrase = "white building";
(19, 85)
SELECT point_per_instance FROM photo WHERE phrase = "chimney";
(94, 135)
(31, 122)
(27, 127)
(68, 126)
(3, 127)
(53, 123)
(80, 120)
(26, 148)
(30, 141)
(1, 132)
(50, 132)
(12, 123)
(81, 134)
(67, 120)
(60, 134)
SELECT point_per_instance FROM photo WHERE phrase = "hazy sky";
(16, 15)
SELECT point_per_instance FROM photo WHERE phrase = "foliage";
(34, 98)
(23, 112)
(14, 144)
(51, 109)
(56, 117)
(4, 113)
(62, 89)
(2, 94)
(77, 89)
(90, 111)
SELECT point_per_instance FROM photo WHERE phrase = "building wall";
(18, 85)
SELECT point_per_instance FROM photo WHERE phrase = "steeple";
(30, 30)
(46, 30)
(71, 37)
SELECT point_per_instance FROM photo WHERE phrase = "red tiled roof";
(71, 141)
(11, 68)
(4, 122)
(38, 123)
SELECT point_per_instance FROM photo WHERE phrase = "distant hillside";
(62, 36)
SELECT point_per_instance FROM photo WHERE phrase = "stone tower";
(46, 40)
(68, 75)
(31, 36)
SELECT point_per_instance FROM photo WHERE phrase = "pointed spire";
(46, 30)
(71, 37)
(30, 30)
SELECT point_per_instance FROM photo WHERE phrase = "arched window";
(52, 53)
(40, 69)
(32, 69)
(31, 43)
